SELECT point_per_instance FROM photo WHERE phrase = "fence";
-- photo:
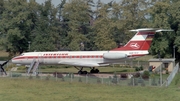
(172, 75)
(113, 79)
(131, 63)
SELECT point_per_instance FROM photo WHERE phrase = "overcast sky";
(56, 2)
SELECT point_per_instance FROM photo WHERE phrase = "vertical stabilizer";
(141, 40)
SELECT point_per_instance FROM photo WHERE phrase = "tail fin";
(141, 40)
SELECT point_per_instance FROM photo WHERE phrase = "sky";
(56, 2)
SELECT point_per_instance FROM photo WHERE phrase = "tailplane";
(141, 40)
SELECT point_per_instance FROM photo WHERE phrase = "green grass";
(16, 89)
(74, 70)
(43, 90)
(144, 58)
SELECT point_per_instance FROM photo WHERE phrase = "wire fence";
(172, 75)
(114, 79)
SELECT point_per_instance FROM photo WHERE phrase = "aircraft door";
(40, 58)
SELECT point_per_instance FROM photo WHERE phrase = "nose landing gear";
(93, 70)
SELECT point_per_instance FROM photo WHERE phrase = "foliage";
(138, 68)
(146, 75)
(86, 25)
(124, 76)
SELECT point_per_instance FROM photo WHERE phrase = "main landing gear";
(81, 71)
(93, 70)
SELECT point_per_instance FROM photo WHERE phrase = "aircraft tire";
(96, 70)
(80, 72)
(92, 71)
(84, 72)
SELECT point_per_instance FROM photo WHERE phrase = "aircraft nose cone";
(14, 60)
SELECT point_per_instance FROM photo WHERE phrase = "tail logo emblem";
(134, 45)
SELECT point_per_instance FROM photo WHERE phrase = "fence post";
(102, 80)
(56, 76)
(11, 74)
(86, 78)
(133, 81)
(71, 76)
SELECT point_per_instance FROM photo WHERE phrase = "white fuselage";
(75, 58)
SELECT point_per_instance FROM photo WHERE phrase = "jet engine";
(114, 55)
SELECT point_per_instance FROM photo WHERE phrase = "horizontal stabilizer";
(150, 29)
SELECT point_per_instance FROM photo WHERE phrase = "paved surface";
(14, 69)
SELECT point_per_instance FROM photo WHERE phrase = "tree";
(160, 17)
(45, 34)
(174, 20)
(77, 15)
(103, 27)
(15, 26)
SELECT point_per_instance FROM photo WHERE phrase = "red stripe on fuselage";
(69, 57)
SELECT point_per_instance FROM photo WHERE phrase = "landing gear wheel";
(82, 72)
(96, 70)
(92, 71)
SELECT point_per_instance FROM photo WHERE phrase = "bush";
(137, 75)
(124, 76)
(146, 75)
(138, 68)
(141, 67)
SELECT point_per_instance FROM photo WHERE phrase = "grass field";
(42, 90)
(16, 89)
(74, 70)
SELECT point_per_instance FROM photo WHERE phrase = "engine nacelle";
(114, 55)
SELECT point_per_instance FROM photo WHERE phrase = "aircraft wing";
(82, 64)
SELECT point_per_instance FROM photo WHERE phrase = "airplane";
(138, 46)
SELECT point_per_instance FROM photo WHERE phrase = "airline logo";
(135, 45)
